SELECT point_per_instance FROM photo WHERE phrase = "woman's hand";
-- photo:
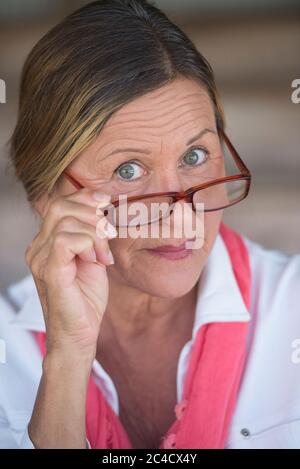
(68, 262)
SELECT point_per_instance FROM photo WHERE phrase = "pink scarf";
(216, 363)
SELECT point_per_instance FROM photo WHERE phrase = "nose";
(182, 220)
(168, 180)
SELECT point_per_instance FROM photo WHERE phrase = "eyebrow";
(199, 135)
(147, 152)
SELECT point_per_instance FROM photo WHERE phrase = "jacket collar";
(219, 297)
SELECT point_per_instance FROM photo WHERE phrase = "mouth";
(171, 252)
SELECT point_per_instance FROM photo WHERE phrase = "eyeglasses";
(215, 195)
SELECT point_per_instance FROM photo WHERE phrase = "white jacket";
(267, 414)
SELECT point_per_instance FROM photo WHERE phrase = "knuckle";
(66, 223)
(87, 241)
(59, 240)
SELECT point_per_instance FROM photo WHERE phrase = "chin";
(169, 283)
(171, 291)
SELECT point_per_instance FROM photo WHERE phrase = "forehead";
(179, 105)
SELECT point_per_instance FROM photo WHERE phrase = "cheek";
(123, 249)
(212, 221)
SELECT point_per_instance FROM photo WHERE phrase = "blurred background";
(254, 49)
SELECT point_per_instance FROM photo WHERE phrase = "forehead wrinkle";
(166, 101)
(181, 124)
(167, 112)
(123, 138)
(161, 125)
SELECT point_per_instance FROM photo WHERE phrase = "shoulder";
(264, 259)
(275, 307)
(269, 400)
(275, 277)
(20, 364)
(274, 331)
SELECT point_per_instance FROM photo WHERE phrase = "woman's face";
(143, 149)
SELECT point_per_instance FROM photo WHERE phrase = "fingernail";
(110, 257)
(101, 196)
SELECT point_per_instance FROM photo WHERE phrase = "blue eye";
(195, 157)
(129, 171)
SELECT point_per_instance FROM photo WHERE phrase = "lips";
(170, 248)
(171, 252)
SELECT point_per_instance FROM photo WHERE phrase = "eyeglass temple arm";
(241, 165)
(73, 181)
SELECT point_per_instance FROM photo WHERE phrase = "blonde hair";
(88, 66)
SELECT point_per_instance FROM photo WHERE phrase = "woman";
(139, 341)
